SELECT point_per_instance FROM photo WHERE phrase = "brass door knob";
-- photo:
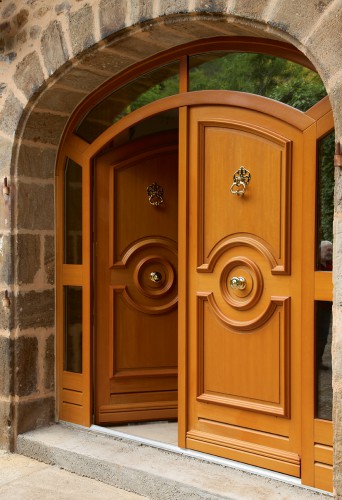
(238, 283)
(155, 277)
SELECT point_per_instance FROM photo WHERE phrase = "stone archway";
(30, 138)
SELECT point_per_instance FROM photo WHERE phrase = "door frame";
(78, 385)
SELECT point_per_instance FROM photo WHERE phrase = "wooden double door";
(224, 246)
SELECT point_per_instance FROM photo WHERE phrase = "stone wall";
(53, 53)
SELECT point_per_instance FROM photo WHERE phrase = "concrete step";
(163, 474)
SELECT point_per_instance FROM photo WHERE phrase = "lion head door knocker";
(241, 179)
(155, 194)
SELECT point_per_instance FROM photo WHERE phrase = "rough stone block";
(9, 57)
(81, 25)
(62, 7)
(218, 6)
(34, 414)
(337, 342)
(10, 114)
(53, 46)
(5, 213)
(6, 425)
(3, 88)
(45, 127)
(6, 371)
(337, 410)
(41, 10)
(5, 151)
(5, 28)
(49, 366)
(35, 206)
(37, 162)
(8, 10)
(29, 74)
(112, 16)
(6, 264)
(35, 309)
(22, 37)
(21, 18)
(167, 7)
(247, 8)
(49, 259)
(141, 11)
(35, 32)
(298, 18)
(27, 257)
(335, 94)
(26, 365)
(337, 258)
(6, 313)
(338, 234)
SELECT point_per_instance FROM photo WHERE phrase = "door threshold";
(251, 469)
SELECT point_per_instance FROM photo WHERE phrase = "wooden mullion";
(184, 74)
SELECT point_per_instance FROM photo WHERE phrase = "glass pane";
(73, 329)
(260, 74)
(72, 213)
(323, 361)
(161, 122)
(149, 87)
(325, 202)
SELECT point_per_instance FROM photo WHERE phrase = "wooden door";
(244, 286)
(136, 281)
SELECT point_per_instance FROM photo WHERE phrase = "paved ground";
(23, 478)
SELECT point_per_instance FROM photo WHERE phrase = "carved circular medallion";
(241, 283)
(154, 276)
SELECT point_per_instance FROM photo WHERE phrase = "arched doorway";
(247, 175)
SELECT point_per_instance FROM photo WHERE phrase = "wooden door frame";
(317, 435)
(78, 387)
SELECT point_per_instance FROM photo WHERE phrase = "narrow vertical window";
(72, 213)
(323, 360)
(325, 202)
(73, 329)
(324, 262)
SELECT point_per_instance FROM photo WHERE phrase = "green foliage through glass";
(325, 188)
(260, 74)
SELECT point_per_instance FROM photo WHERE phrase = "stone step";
(161, 474)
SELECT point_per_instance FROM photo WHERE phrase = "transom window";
(262, 74)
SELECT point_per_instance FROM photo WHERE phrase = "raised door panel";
(136, 220)
(223, 149)
(248, 370)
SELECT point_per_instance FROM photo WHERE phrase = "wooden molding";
(245, 446)
(279, 253)
(279, 403)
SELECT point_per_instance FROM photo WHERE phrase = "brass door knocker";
(241, 179)
(155, 194)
